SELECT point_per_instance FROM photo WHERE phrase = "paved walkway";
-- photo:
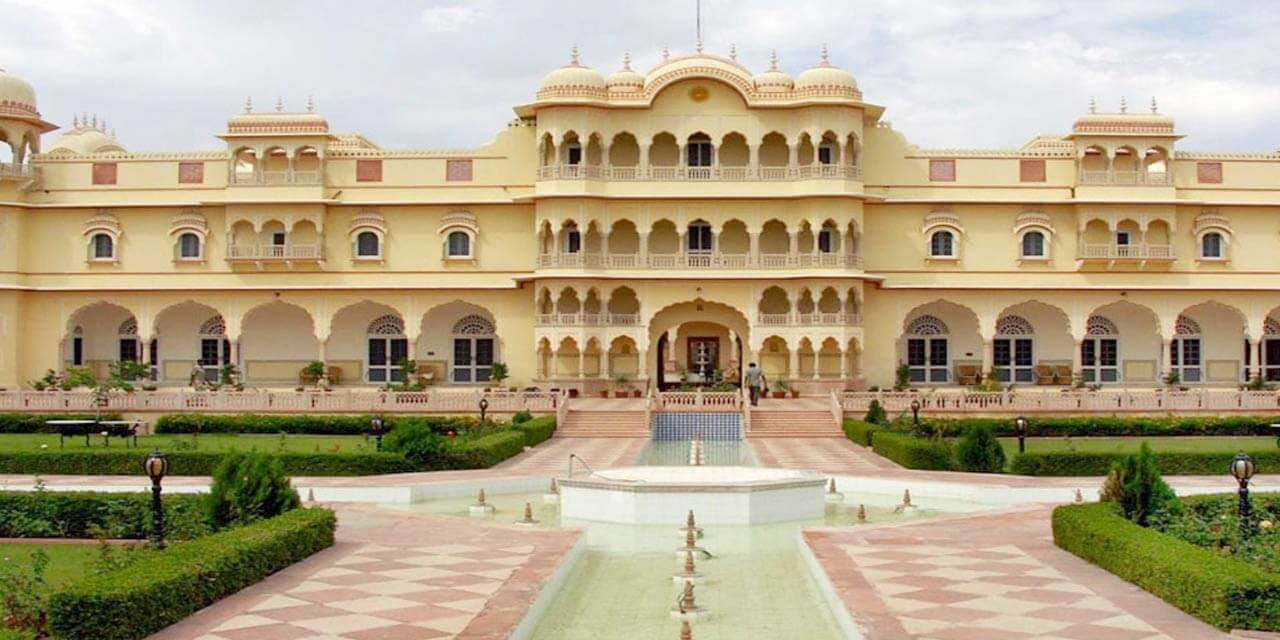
(393, 576)
(827, 455)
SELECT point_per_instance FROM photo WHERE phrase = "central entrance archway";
(697, 343)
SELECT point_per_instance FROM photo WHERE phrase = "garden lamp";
(484, 406)
(1021, 425)
(915, 411)
(1242, 467)
(376, 426)
(156, 466)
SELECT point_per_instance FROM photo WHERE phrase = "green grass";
(67, 562)
(207, 442)
(1180, 444)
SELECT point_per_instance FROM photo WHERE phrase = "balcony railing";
(21, 171)
(1118, 177)
(698, 260)
(271, 178)
(285, 252)
(260, 401)
(839, 319)
(696, 174)
(1068, 402)
(1140, 251)
(588, 319)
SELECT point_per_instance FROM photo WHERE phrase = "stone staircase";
(783, 423)
(603, 423)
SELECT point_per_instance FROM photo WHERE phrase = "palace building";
(665, 226)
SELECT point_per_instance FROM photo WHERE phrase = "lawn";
(1180, 444)
(66, 561)
(206, 442)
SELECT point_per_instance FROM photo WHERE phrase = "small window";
(574, 154)
(459, 245)
(699, 152)
(826, 153)
(942, 244)
(573, 241)
(1033, 244)
(1122, 238)
(826, 240)
(1211, 245)
(189, 246)
(367, 245)
(104, 247)
(277, 239)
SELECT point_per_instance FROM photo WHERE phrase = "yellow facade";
(660, 227)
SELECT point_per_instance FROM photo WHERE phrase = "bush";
(247, 488)
(535, 430)
(1078, 463)
(485, 451)
(50, 514)
(1075, 426)
(860, 431)
(35, 422)
(912, 452)
(1217, 589)
(420, 445)
(195, 463)
(161, 588)
(521, 416)
(1135, 485)
(979, 450)
(303, 423)
(876, 414)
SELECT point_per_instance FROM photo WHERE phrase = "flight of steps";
(603, 424)
(793, 424)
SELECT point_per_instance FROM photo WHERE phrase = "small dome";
(572, 79)
(17, 98)
(86, 138)
(826, 79)
(625, 80)
(774, 80)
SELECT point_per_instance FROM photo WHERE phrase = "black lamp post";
(484, 406)
(1242, 468)
(915, 411)
(1021, 425)
(377, 427)
(156, 466)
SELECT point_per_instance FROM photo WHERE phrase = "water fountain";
(689, 573)
(686, 633)
(691, 525)
(527, 520)
(906, 502)
(833, 495)
(552, 496)
(691, 546)
(686, 608)
(695, 453)
(862, 513)
(481, 508)
(1079, 498)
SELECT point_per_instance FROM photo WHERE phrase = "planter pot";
(573, 393)
(604, 394)
(635, 393)
(795, 394)
(621, 394)
(778, 395)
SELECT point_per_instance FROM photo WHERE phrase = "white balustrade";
(691, 260)
(671, 173)
(1157, 400)
(338, 401)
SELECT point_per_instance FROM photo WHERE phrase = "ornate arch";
(928, 325)
(1014, 325)
(1100, 326)
(1271, 327)
(387, 324)
(128, 327)
(1185, 326)
(473, 325)
(214, 326)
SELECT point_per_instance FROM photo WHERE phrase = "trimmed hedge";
(860, 431)
(1077, 426)
(195, 463)
(536, 430)
(485, 451)
(1222, 591)
(164, 587)
(1079, 463)
(301, 423)
(912, 452)
(57, 514)
(35, 422)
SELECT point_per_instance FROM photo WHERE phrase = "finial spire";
(311, 104)
(825, 58)
(95, 121)
(699, 45)
(1093, 104)
(248, 104)
(1124, 105)
(626, 60)
(573, 56)
(1155, 108)
(666, 53)
(279, 104)
(773, 60)
(75, 121)
(733, 52)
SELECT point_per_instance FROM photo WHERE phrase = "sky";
(445, 74)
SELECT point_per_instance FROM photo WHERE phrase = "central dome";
(572, 79)
(774, 80)
(827, 79)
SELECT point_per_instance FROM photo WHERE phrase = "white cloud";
(449, 19)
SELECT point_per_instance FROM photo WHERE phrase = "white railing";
(810, 319)
(698, 174)
(1139, 251)
(275, 252)
(588, 319)
(699, 400)
(269, 178)
(1147, 400)
(10, 170)
(699, 260)
(338, 401)
(1121, 177)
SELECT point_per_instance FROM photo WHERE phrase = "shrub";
(419, 444)
(860, 431)
(35, 422)
(1079, 463)
(876, 414)
(247, 488)
(536, 430)
(57, 514)
(1217, 589)
(161, 588)
(911, 452)
(1135, 485)
(195, 463)
(485, 451)
(1061, 426)
(521, 416)
(979, 450)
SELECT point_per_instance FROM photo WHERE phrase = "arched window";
(1211, 246)
(827, 152)
(215, 349)
(367, 245)
(1100, 351)
(103, 247)
(1013, 350)
(828, 239)
(699, 238)
(573, 153)
(1033, 244)
(1185, 350)
(928, 350)
(699, 150)
(942, 244)
(128, 335)
(189, 246)
(459, 245)
(387, 349)
(572, 239)
(473, 349)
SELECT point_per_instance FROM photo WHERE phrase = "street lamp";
(1021, 425)
(915, 411)
(484, 406)
(156, 466)
(376, 426)
(1242, 468)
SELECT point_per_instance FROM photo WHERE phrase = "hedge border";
(300, 424)
(73, 514)
(1081, 463)
(1222, 591)
(36, 422)
(1083, 426)
(860, 431)
(196, 463)
(165, 587)
(912, 452)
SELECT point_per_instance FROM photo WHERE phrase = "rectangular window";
(77, 352)
(1031, 171)
(575, 155)
(1122, 238)
(1209, 172)
(458, 170)
(942, 170)
(190, 173)
(277, 239)
(128, 350)
(824, 154)
(104, 173)
(368, 171)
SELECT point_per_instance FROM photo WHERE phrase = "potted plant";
(780, 389)
(901, 377)
(604, 391)
(497, 373)
(621, 387)
(1172, 379)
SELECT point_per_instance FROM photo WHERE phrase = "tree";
(876, 414)
(980, 451)
(1135, 486)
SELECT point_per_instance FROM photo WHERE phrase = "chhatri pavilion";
(665, 226)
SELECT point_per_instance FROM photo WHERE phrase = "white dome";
(826, 78)
(625, 80)
(84, 140)
(572, 79)
(17, 98)
(774, 80)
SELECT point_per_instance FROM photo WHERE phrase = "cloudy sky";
(445, 74)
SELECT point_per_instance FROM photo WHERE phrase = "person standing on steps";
(755, 382)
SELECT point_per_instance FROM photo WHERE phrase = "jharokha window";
(942, 170)
(458, 170)
(368, 171)
(104, 173)
(1031, 171)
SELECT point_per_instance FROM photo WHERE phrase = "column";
(753, 160)
(644, 249)
(793, 158)
(793, 363)
(1077, 358)
(642, 366)
(235, 352)
(754, 252)
(604, 247)
(844, 364)
(582, 362)
(817, 363)
(1260, 352)
(144, 348)
(795, 243)
(670, 365)
(642, 169)
(1166, 346)
(988, 356)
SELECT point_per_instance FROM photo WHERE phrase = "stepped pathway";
(825, 455)
(794, 418)
(604, 418)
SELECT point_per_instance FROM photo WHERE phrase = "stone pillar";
(1166, 346)
(644, 249)
(844, 364)
(144, 356)
(817, 363)
(793, 157)
(793, 363)
(794, 249)
(604, 245)
(754, 252)
(642, 365)
(670, 365)
(582, 362)
(988, 356)
(642, 169)
(1077, 358)
(753, 160)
